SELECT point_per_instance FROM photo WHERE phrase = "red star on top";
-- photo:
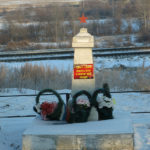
(83, 19)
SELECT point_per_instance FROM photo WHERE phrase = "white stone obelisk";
(83, 77)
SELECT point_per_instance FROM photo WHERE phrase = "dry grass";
(17, 45)
(39, 77)
(129, 78)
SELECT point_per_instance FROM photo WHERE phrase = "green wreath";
(104, 113)
(57, 112)
(94, 96)
(79, 114)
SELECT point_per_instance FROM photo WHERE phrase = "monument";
(83, 77)
(112, 134)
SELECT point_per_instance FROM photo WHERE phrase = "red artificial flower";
(47, 108)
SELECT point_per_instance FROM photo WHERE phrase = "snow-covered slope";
(33, 2)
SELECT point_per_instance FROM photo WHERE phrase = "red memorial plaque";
(84, 71)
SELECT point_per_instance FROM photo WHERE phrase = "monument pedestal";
(114, 134)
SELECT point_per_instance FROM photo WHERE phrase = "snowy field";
(21, 2)
(100, 63)
(11, 129)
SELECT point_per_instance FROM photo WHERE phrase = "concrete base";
(114, 134)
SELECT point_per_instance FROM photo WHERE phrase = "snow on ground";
(11, 132)
(19, 2)
(11, 129)
(51, 44)
(132, 102)
(141, 124)
(100, 63)
(120, 40)
(129, 61)
(15, 91)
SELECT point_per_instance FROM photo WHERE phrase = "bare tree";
(143, 9)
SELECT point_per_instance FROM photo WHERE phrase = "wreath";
(103, 104)
(49, 110)
(80, 108)
(95, 95)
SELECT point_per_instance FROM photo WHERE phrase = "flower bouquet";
(83, 102)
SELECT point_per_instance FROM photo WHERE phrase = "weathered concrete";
(115, 134)
(83, 43)
(79, 142)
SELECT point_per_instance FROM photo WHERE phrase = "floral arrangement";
(47, 108)
(104, 101)
(50, 110)
(83, 102)
(79, 107)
